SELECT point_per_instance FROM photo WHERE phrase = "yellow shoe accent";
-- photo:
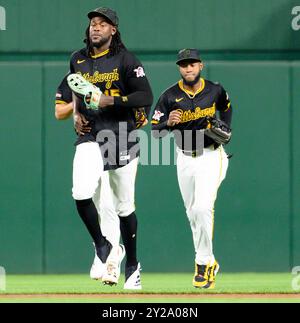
(206, 279)
(210, 285)
(198, 284)
(213, 270)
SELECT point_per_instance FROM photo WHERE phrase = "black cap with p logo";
(188, 54)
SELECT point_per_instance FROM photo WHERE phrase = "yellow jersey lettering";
(199, 113)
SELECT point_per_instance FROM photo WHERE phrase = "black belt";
(196, 153)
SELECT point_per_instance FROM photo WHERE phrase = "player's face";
(101, 31)
(190, 70)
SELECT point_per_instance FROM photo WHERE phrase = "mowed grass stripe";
(167, 283)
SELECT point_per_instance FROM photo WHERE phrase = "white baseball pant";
(199, 179)
(112, 191)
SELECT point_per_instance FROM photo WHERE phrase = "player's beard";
(192, 83)
(100, 43)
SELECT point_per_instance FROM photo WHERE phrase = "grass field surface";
(167, 287)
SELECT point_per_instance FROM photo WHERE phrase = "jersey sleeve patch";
(139, 71)
(157, 115)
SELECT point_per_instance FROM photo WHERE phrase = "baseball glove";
(91, 94)
(140, 118)
(218, 130)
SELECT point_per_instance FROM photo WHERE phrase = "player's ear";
(113, 31)
(201, 66)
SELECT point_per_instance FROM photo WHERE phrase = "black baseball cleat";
(200, 279)
(205, 276)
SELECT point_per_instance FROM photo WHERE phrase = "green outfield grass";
(178, 285)
(154, 300)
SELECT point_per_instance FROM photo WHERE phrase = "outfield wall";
(38, 25)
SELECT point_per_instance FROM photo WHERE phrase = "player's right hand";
(174, 118)
(81, 124)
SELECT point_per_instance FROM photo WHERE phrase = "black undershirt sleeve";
(140, 95)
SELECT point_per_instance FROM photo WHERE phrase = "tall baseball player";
(189, 107)
(108, 85)
(103, 197)
(103, 200)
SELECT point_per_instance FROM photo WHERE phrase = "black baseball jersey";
(194, 108)
(121, 76)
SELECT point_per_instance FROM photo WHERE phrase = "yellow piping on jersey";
(228, 107)
(100, 54)
(60, 102)
(190, 93)
(154, 122)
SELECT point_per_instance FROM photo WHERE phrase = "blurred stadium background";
(249, 46)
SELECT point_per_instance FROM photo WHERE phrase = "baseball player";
(186, 108)
(103, 200)
(120, 88)
(108, 218)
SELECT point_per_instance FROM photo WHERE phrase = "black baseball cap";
(188, 54)
(108, 13)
